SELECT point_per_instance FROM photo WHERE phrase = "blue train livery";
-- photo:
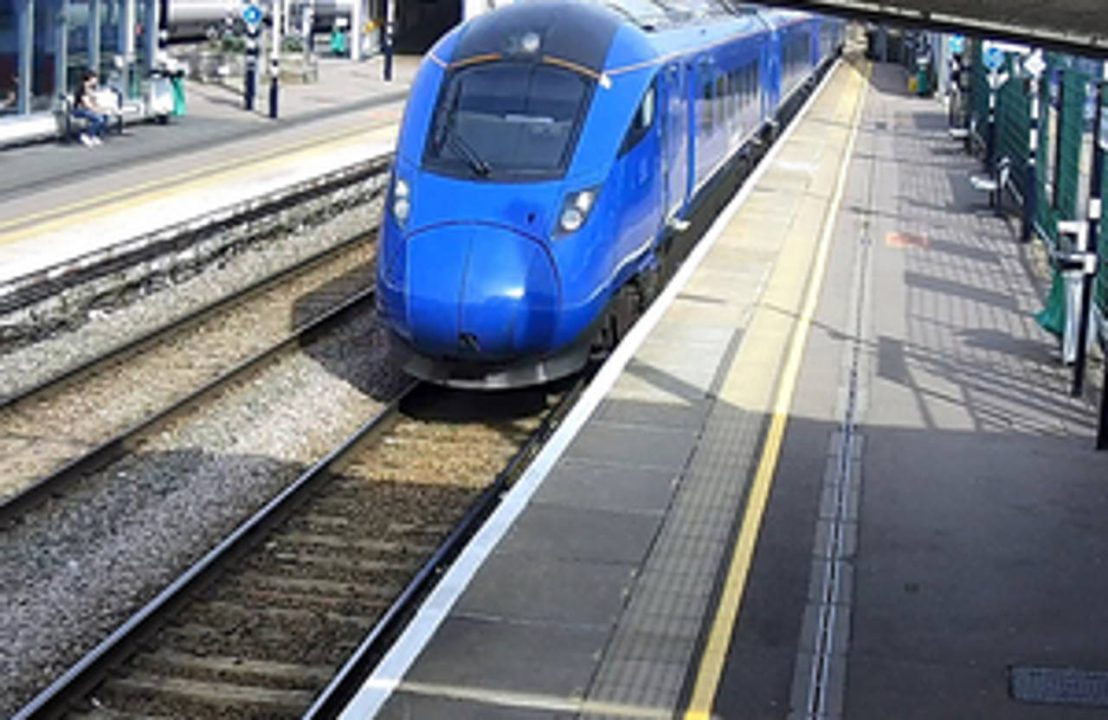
(548, 151)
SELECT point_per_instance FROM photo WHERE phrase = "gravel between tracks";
(72, 572)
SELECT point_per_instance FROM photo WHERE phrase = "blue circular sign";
(994, 58)
(957, 43)
(252, 14)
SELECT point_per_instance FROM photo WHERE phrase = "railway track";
(261, 625)
(78, 421)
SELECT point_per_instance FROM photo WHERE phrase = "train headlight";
(576, 210)
(401, 201)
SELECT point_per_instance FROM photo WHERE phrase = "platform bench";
(72, 126)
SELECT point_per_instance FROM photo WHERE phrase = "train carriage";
(547, 150)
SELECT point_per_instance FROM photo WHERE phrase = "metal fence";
(1067, 95)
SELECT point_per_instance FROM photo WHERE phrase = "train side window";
(732, 93)
(640, 123)
(706, 105)
(721, 97)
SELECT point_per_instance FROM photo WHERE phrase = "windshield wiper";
(463, 148)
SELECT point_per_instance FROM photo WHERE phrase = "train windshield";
(503, 120)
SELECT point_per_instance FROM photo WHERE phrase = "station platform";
(833, 472)
(60, 203)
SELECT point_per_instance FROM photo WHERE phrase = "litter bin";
(177, 84)
(923, 75)
(159, 100)
(338, 43)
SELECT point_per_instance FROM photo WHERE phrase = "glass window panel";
(9, 57)
(515, 119)
(140, 47)
(110, 10)
(44, 53)
(77, 30)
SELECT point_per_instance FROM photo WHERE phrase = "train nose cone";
(481, 292)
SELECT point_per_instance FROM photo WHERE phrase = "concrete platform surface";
(59, 202)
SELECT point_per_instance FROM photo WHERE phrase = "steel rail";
(13, 507)
(83, 677)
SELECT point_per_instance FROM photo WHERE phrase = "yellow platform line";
(719, 639)
(133, 195)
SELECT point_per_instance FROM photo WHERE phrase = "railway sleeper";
(301, 562)
(359, 545)
(180, 697)
(258, 582)
(406, 458)
(235, 616)
(233, 669)
(336, 515)
(264, 642)
(362, 603)
(334, 522)
(106, 713)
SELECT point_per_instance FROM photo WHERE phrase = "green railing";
(1066, 107)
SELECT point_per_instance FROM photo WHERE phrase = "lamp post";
(275, 59)
(1035, 66)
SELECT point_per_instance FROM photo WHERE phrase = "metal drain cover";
(1060, 686)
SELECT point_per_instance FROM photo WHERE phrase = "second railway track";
(81, 420)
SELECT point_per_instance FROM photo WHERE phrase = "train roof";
(581, 34)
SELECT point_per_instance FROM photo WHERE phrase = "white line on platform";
(396, 663)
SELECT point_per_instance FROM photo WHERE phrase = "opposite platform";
(60, 203)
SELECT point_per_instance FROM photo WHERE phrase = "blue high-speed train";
(548, 151)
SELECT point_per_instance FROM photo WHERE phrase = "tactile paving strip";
(1060, 686)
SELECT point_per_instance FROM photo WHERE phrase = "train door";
(641, 186)
(771, 74)
(675, 154)
(692, 142)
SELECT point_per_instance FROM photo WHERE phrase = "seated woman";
(84, 106)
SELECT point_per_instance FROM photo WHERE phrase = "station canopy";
(1076, 25)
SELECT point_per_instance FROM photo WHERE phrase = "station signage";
(993, 57)
(957, 43)
(252, 14)
(1008, 47)
(1035, 64)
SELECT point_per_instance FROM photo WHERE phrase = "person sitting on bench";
(86, 108)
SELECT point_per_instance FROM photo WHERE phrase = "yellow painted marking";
(570, 65)
(102, 204)
(727, 614)
(475, 59)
